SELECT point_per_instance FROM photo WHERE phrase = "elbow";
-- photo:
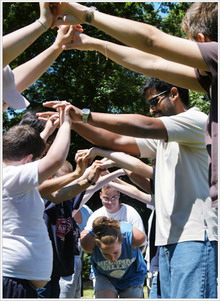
(152, 40)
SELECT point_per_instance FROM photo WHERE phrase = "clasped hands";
(63, 108)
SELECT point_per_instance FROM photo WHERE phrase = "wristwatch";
(85, 115)
(89, 15)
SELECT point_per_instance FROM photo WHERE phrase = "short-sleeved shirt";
(183, 209)
(27, 249)
(209, 51)
(125, 213)
(129, 269)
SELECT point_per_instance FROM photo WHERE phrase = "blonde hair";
(107, 231)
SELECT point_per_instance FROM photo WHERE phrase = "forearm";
(148, 64)
(60, 147)
(56, 155)
(126, 161)
(27, 73)
(132, 191)
(140, 181)
(49, 186)
(132, 33)
(102, 181)
(150, 39)
(68, 192)
(16, 42)
(144, 127)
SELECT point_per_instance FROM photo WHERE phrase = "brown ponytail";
(106, 230)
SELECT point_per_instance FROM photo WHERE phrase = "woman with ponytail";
(117, 261)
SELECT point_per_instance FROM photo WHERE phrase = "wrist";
(90, 181)
(57, 47)
(89, 17)
(43, 24)
(80, 13)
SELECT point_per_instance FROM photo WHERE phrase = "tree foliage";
(87, 78)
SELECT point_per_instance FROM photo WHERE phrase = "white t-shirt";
(125, 213)
(183, 209)
(27, 249)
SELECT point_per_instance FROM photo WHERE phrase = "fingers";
(46, 114)
(53, 103)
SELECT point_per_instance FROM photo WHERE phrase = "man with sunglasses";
(186, 225)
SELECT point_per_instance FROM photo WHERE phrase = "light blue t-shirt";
(129, 270)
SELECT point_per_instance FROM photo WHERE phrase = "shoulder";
(191, 117)
(93, 216)
(125, 227)
(209, 49)
(130, 210)
(26, 174)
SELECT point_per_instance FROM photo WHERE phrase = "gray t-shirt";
(209, 52)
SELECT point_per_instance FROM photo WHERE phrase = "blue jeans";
(155, 288)
(189, 270)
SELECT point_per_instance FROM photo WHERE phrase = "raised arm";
(27, 73)
(142, 182)
(120, 124)
(102, 181)
(139, 35)
(58, 151)
(131, 191)
(140, 61)
(55, 184)
(102, 137)
(16, 42)
(121, 159)
(75, 187)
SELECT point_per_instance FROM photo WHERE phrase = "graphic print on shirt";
(64, 226)
(118, 268)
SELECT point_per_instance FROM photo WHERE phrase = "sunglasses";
(153, 102)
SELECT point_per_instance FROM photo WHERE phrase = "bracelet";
(90, 182)
(89, 14)
(45, 27)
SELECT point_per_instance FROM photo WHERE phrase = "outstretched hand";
(86, 154)
(62, 114)
(75, 112)
(65, 34)
(81, 166)
(95, 171)
(80, 41)
(67, 13)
